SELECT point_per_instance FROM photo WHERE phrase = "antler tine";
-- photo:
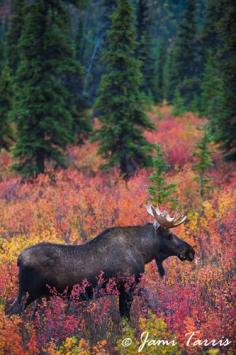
(180, 221)
(163, 217)
(179, 218)
(167, 221)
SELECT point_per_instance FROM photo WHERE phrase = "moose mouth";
(188, 256)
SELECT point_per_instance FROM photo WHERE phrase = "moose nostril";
(191, 255)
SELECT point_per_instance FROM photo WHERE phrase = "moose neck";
(148, 242)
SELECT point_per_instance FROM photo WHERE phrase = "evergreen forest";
(106, 106)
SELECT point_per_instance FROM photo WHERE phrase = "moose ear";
(151, 210)
(156, 224)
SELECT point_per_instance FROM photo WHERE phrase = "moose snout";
(187, 254)
(190, 255)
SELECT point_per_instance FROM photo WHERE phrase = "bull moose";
(118, 252)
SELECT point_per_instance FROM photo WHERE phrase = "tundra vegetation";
(74, 205)
(88, 89)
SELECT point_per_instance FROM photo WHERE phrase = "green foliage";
(79, 40)
(195, 104)
(120, 111)
(41, 108)
(210, 34)
(159, 190)
(204, 161)
(211, 89)
(95, 33)
(162, 21)
(194, 46)
(109, 7)
(6, 134)
(160, 74)
(2, 53)
(75, 82)
(81, 120)
(226, 122)
(14, 33)
(144, 48)
(78, 3)
(178, 104)
(169, 79)
(183, 66)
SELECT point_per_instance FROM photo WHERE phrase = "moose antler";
(164, 219)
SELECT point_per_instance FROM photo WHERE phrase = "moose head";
(170, 244)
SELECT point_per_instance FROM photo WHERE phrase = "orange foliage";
(177, 136)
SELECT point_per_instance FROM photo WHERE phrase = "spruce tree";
(210, 36)
(6, 134)
(14, 33)
(95, 67)
(183, 74)
(178, 104)
(81, 123)
(160, 74)
(2, 54)
(211, 89)
(108, 8)
(79, 40)
(226, 122)
(78, 104)
(210, 43)
(121, 115)
(41, 109)
(159, 190)
(170, 79)
(144, 48)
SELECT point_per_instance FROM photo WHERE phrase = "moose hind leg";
(125, 302)
(36, 292)
(30, 299)
(17, 306)
(37, 303)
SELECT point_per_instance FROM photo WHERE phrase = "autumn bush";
(74, 205)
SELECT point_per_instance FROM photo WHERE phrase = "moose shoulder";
(117, 252)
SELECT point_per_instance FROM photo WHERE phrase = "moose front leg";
(160, 268)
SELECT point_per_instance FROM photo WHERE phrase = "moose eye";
(169, 236)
